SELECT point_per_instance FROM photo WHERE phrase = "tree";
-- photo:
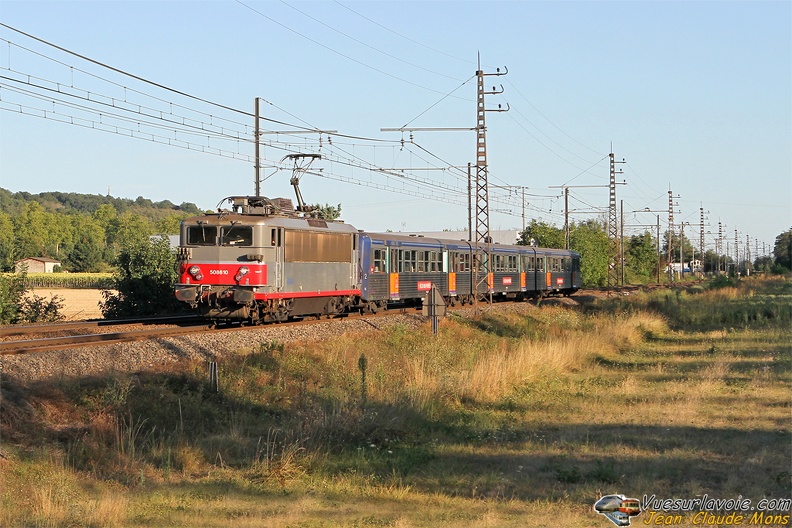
(590, 239)
(641, 254)
(30, 231)
(144, 281)
(18, 307)
(86, 254)
(327, 211)
(6, 242)
(783, 250)
(125, 231)
(170, 224)
(105, 215)
(543, 235)
(12, 290)
(687, 247)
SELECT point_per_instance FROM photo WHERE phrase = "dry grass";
(507, 420)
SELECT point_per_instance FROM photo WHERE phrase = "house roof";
(40, 259)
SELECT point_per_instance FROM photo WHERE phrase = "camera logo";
(618, 508)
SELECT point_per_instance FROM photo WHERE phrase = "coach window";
(201, 236)
(378, 262)
(437, 261)
(540, 264)
(236, 236)
(407, 261)
(512, 262)
(460, 262)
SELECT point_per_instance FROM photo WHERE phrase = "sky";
(157, 98)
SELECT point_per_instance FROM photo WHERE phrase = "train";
(262, 261)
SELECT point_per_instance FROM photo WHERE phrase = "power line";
(328, 26)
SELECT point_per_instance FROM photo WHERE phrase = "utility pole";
(701, 238)
(621, 241)
(658, 250)
(671, 232)
(736, 251)
(566, 217)
(613, 228)
(257, 134)
(719, 246)
(470, 205)
(483, 238)
(747, 254)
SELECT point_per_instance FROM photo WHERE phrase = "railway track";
(31, 342)
(60, 336)
(19, 330)
(23, 339)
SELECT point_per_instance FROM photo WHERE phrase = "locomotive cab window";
(201, 236)
(236, 236)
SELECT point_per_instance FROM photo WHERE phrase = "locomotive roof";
(313, 224)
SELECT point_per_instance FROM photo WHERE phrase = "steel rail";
(25, 346)
(13, 330)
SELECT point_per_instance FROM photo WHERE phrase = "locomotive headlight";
(195, 271)
(241, 273)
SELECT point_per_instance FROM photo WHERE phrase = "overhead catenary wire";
(171, 122)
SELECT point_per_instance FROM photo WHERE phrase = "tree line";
(641, 258)
(84, 232)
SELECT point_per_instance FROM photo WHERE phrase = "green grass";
(506, 420)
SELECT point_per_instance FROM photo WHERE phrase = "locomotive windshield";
(236, 236)
(201, 236)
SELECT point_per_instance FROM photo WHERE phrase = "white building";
(36, 265)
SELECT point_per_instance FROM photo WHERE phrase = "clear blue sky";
(695, 96)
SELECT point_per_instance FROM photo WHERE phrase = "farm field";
(77, 303)
(507, 419)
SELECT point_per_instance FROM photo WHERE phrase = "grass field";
(508, 420)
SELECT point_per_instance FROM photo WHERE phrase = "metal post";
(257, 134)
(566, 217)
(658, 249)
(470, 208)
(622, 241)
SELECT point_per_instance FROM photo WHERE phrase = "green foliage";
(86, 232)
(327, 211)
(12, 289)
(642, 255)
(86, 254)
(17, 306)
(590, 239)
(6, 242)
(146, 273)
(675, 239)
(542, 234)
(782, 251)
(37, 309)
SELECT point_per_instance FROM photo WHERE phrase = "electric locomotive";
(262, 261)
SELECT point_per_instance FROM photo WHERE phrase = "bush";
(17, 307)
(144, 282)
